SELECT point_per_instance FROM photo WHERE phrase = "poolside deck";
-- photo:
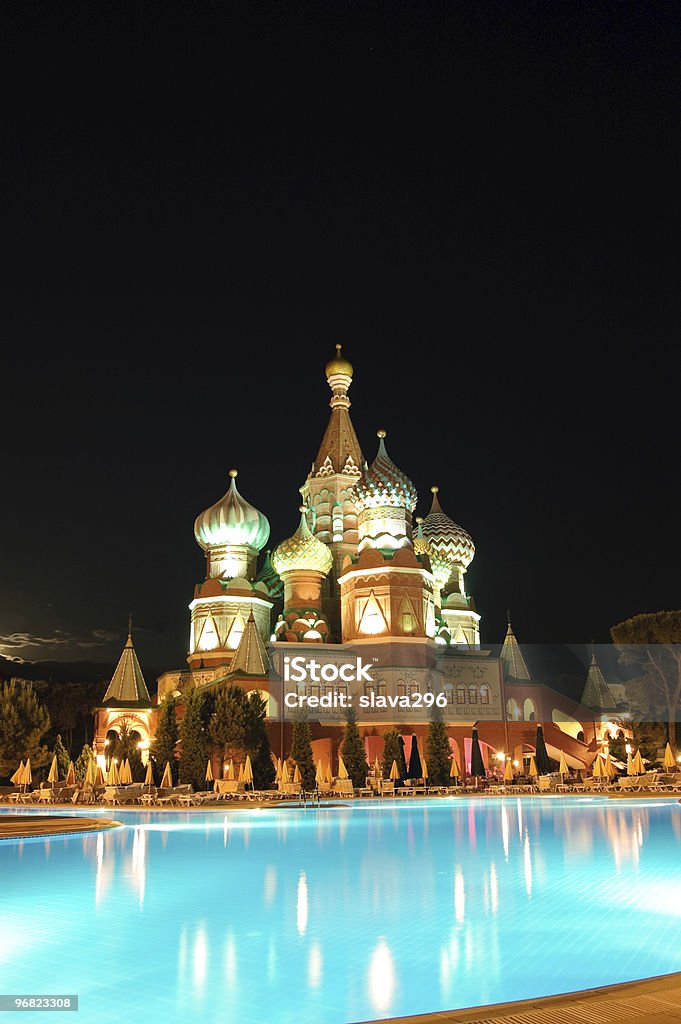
(652, 1001)
(26, 826)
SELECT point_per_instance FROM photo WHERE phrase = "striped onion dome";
(302, 551)
(383, 484)
(232, 521)
(447, 539)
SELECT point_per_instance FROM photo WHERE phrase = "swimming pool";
(342, 914)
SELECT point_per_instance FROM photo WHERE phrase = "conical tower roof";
(512, 657)
(339, 451)
(250, 657)
(127, 684)
(597, 694)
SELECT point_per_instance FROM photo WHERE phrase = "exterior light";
(501, 756)
(106, 743)
(628, 748)
(516, 764)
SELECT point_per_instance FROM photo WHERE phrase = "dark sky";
(480, 201)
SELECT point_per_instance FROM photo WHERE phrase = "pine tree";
(164, 746)
(24, 720)
(86, 755)
(63, 757)
(258, 742)
(438, 750)
(353, 750)
(301, 750)
(193, 741)
(393, 751)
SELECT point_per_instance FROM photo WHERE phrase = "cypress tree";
(63, 757)
(393, 751)
(258, 742)
(228, 722)
(86, 755)
(301, 750)
(164, 746)
(193, 741)
(353, 750)
(438, 750)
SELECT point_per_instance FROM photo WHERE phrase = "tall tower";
(231, 533)
(302, 562)
(334, 472)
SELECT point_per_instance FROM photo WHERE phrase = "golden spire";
(338, 365)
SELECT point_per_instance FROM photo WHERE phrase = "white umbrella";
(53, 774)
(563, 766)
(424, 769)
(71, 774)
(342, 770)
(319, 774)
(90, 773)
(394, 772)
(167, 780)
(149, 777)
(248, 770)
(297, 777)
(209, 772)
(454, 771)
(16, 778)
(284, 773)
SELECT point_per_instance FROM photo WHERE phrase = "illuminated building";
(360, 576)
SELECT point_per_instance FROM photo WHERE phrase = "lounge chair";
(343, 787)
(386, 787)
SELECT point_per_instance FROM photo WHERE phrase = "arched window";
(472, 695)
(484, 694)
(512, 710)
(461, 695)
(529, 710)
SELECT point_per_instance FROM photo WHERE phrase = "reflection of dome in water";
(232, 521)
(302, 551)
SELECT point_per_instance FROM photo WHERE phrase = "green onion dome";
(232, 521)
(302, 551)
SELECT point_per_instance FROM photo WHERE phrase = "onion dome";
(232, 521)
(421, 545)
(338, 365)
(446, 537)
(383, 484)
(302, 551)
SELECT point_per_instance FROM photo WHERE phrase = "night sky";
(480, 201)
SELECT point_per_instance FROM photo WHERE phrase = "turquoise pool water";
(346, 914)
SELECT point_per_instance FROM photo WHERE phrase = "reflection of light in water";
(200, 957)
(504, 830)
(138, 859)
(639, 831)
(459, 896)
(301, 904)
(493, 888)
(230, 960)
(270, 889)
(46, 847)
(314, 967)
(520, 820)
(182, 951)
(381, 977)
(528, 866)
(271, 961)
